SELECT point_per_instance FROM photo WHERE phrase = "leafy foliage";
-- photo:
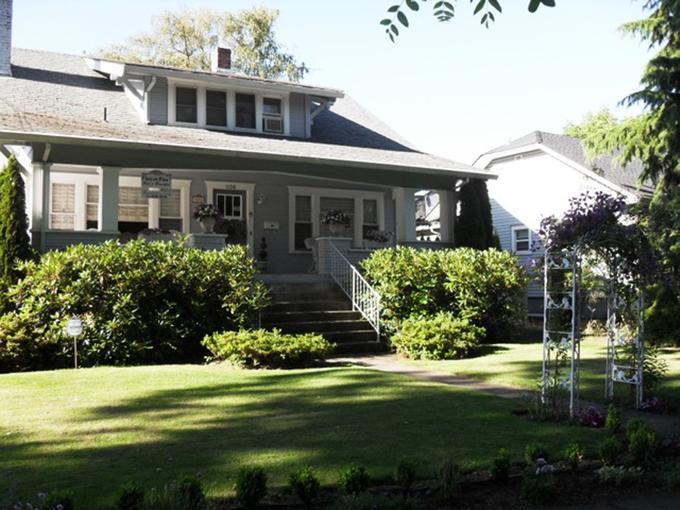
(533, 452)
(449, 477)
(574, 454)
(641, 443)
(613, 422)
(474, 226)
(14, 242)
(130, 497)
(500, 468)
(305, 485)
(250, 486)
(354, 480)
(140, 303)
(261, 348)
(609, 451)
(445, 11)
(186, 39)
(486, 287)
(405, 474)
(440, 336)
(368, 501)
(538, 489)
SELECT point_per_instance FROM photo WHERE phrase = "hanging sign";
(156, 184)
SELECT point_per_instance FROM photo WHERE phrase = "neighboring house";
(537, 175)
(273, 154)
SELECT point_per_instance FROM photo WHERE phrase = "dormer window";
(186, 105)
(272, 120)
(216, 108)
(245, 111)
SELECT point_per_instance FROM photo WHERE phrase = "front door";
(232, 207)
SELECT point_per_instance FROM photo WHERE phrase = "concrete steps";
(319, 307)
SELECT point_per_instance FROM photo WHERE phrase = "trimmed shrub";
(57, 500)
(487, 287)
(405, 474)
(574, 454)
(305, 485)
(140, 303)
(251, 486)
(450, 480)
(500, 469)
(609, 451)
(261, 348)
(354, 480)
(441, 336)
(130, 497)
(641, 442)
(190, 492)
(613, 422)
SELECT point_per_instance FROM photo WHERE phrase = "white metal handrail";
(364, 297)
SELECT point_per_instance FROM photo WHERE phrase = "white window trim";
(316, 194)
(249, 188)
(514, 239)
(231, 92)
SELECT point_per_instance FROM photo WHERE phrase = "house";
(110, 148)
(537, 175)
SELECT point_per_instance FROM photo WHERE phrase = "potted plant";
(336, 220)
(377, 239)
(207, 215)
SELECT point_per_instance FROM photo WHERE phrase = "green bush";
(405, 474)
(190, 492)
(441, 336)
(57, 500)
(500, 468)
(609, 450)
(251, 486)
(662, 317)
(538, 489)
(613, 422)
(140, 303)
(574, 454)
(488, 287)
(533, 452)
(354, 480)
(261, 348)
(449, 479)
(305, 485)
(130, 497)
(641, 442)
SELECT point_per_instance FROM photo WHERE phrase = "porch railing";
(364, 297)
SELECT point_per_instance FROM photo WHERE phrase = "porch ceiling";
(127, 154)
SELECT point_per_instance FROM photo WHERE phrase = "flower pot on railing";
(207, 225)
(336, 228)
(207, 215)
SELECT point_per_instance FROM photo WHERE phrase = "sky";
(454, 89)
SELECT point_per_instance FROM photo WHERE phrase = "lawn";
(91, 430)
(519, 365)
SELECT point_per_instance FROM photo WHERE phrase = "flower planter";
(336, 228)
(207, 225)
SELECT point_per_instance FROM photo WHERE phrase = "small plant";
(368, 501)
(500, 469)
(609, 450)
(591, 417)
(190, 493)
(354, 480)
(533, 452)
(378, 236)
(449, 478)
(204, 211)
(130, 496)
(574, 454)
(56, 500)
(250, 486)
(641, 442)
(335, 217)
(405, 474)
(613, 422)
(538, 489)
(616, 475)
(305, 485)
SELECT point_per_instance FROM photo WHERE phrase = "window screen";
(216, 108)
(185, 105)
(171, 211)
(132, 206)
(303, 221)
(245, 111)
(62, 216)
(92, 206)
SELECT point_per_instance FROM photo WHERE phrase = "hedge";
(487, 287)
(140, 303)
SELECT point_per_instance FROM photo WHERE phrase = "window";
(346, 205)
(521, 239)
(272, 121)
(245, 111)
(133, 209)
(230, 205)
(171, 212)
(185, 107)
(303, 221)
(63, 209)
(216, 108)
(92, 207)
(370, 216)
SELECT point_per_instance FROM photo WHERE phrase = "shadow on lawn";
(325, 418)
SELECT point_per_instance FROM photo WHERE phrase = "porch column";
(448, 202)
(405, 214)
(108, 198)
(40, 204)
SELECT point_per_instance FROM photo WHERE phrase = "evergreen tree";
(14, 241)
(473, 225)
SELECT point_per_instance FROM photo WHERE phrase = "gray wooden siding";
(158, 102)
(298, 115)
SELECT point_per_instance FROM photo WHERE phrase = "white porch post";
(405, 213)
(108, 198)
(447, 214)
(40, 204)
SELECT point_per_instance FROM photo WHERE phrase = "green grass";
(519, 365)
(92, 430)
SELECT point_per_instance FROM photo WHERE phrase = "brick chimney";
(5, 37)
(220, 59)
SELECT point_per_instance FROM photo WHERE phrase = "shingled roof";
(56, 94)
(606, 166)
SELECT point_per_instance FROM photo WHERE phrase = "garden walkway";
(664, 425)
